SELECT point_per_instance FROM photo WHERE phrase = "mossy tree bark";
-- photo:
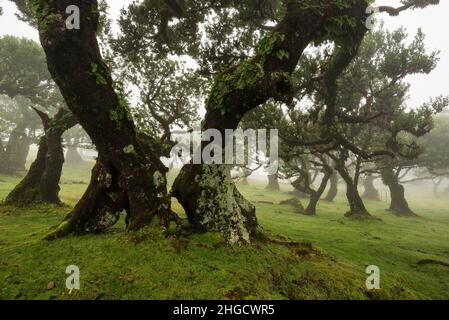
(370, 193)
(41, 184)
(129, 175)
(399, 204)
(304, 183)
(236, 91)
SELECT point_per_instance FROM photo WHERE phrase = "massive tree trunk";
(212, 202)
(273, 183)
(41, 184)
(370, 193)
(129, 174)
(399, 204)
(333, 188)
(315, 195)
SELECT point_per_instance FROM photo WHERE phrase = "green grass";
(200, 266)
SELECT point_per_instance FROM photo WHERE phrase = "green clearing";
(200, 266)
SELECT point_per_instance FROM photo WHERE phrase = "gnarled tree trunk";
(212, 202)
(41, 184)
(370, 193)
(399, 204)
(315, 195)
(129, 174)
(357, 208)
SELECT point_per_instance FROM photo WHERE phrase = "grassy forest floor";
(200, 266)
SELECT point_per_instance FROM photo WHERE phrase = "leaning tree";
(41, 183)
(26, 81)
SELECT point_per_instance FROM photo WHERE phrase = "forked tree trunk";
(213, 203)
(370, 193)
(41, 184)
(315, 196)
(356, 205)
(357, 208)
(399, 204)
(273, 183)
(333, 187)
(129, 174)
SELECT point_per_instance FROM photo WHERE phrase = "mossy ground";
(200, 266)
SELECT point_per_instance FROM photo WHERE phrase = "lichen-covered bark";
(315, 195)
(41, 183)
(132, 165)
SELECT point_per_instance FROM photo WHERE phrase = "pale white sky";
(434, 21)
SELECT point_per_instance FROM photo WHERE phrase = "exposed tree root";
(432, 261)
